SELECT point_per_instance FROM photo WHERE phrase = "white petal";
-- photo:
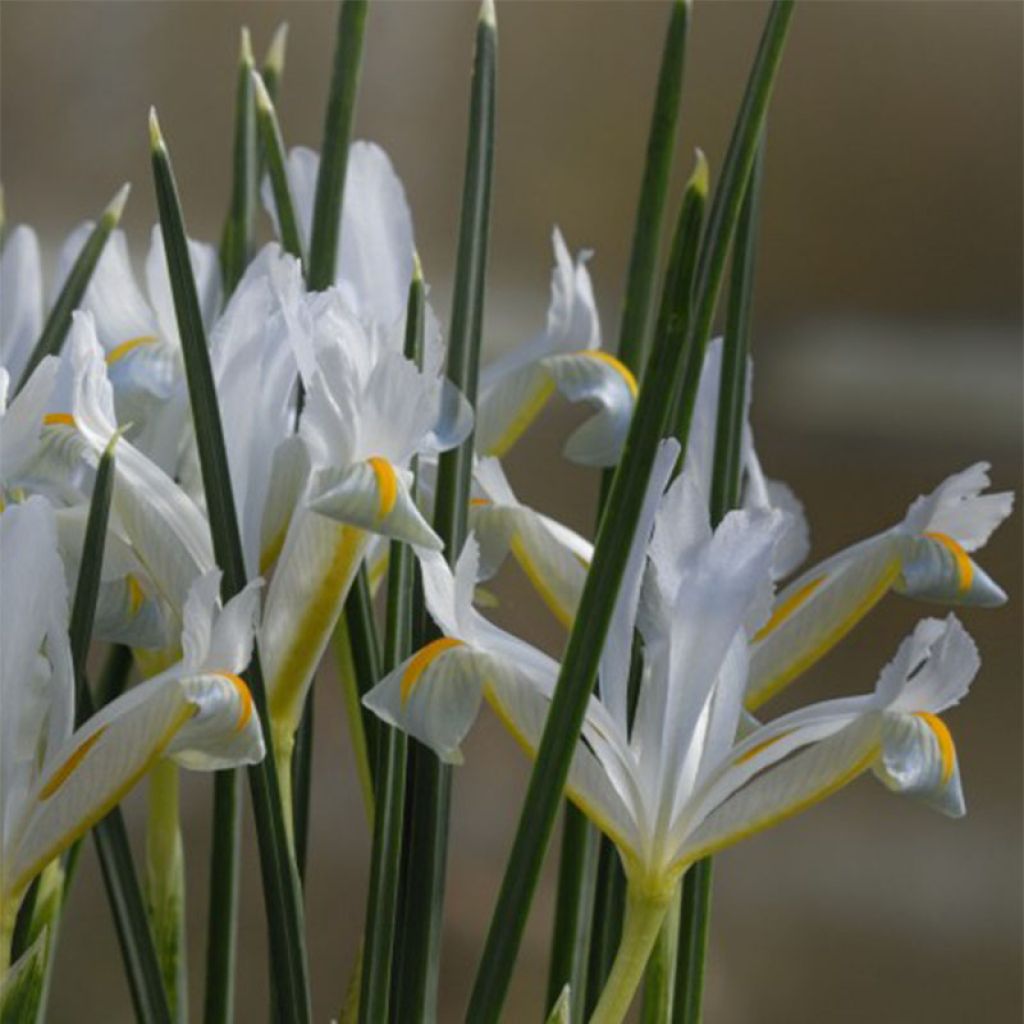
(305, 599)
(788, 788)
(919, 759)
(21, 299)
(201, 721)
(434, 696)
(374, 496)
(814, 612)
(595, 377)
(958, 509)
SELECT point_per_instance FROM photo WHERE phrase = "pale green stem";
(284, 746)
(660, 980)
(645, 911)
(353, 713)
(8, 917)
(49, 904)
(165, 884)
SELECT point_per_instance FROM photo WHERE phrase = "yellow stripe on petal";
(63, 773)
(770, 688)
(619, 367)
(947, 749)
(58, 419)
(536, 578)
(120, 351)
(832, 786)
(314, 621)
(421, 661)
(764, 745)
(106, 806)
(787, 607)
(527, 413)
(244, 695)
(964, 566)
(582, 803)
(479, 502)
(387, 485)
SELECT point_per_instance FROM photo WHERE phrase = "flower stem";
(165, 883)
(645, 912)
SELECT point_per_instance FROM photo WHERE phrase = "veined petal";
(202, 721)
(790, 787)
(289, 475)
(958, 509)
(305, 599)
(433, 696)
(935, 567)
(596, 377)
(205, 264)
(22, 421)
(919, 759)
(814, 612)
(373, 495)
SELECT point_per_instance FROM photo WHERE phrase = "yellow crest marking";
(244, 695)
(787, 607)
(61, 419)
(135, 595)
(964, 566)
(479, 502)
(947, 750)
(387, 485)
(609, 360)
(120, 351)
(61, 775)
(421, 661)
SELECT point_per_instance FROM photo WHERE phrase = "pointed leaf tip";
(274, 61)
(488, 16)
(417, 267)
(116, 205)
(700, 177)
(263, 100)
(156, 138)
(245, 57)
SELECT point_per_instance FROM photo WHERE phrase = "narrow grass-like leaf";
(273, 63)
(574, 912)
(273, 153)
(57, 323)
(638, 305)
(236, 240)
(725, 207)
(389, 801)
(586, 639)
(302, 785)
(579, 911)
(119, 875)
(725, 495)
(330, 182)
(288, 966)
(430, 781)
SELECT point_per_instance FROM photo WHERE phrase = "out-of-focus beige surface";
(888, 355)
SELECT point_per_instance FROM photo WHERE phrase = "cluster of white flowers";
(323, 416)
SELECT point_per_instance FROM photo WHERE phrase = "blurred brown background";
(888, 355)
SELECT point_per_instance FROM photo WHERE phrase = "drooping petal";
(203, 722)
(374, 496)
(919, 759)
